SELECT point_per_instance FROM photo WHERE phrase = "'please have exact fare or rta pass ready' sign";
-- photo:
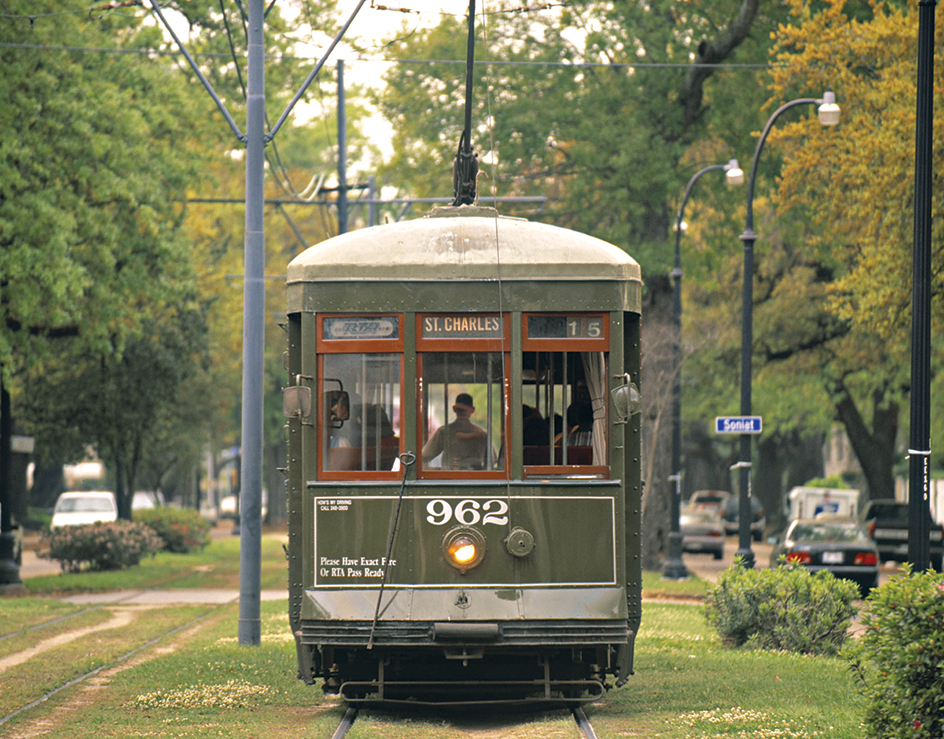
(738, 424)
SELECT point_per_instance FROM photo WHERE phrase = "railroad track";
(347, 721)
(106, 666)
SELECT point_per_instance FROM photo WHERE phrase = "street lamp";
(828, 116)
(674, 566)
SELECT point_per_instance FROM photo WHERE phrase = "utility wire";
(494, 63)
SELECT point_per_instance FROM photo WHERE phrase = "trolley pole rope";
(407, 459)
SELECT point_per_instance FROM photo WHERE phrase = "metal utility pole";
(250, 498)
(920, 436)
(250, 494)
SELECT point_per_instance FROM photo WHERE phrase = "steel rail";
(583, 723)
(113, 663)
(347, 721)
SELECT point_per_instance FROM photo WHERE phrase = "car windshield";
(84, 505)
(827, 532)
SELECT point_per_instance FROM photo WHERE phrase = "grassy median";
(198, 682)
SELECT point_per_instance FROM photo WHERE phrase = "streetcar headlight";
(462, 550)
(463, 547)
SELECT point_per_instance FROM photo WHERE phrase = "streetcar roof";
(465, 243)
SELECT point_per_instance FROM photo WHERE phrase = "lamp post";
(674, 566)
(919, 451)
(828, 116)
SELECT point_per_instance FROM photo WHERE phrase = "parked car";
(703, 500)
(75, 508)
(840, 545)
(702, 531)
(729, 514)
(887, 523)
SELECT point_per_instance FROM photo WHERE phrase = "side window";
(565, 380)
(360, 395)
(462, 370)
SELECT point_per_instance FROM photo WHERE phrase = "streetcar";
(464, 491)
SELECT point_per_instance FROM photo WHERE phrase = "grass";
(656, 586)
(686, 685)
(199, 682)
(217, 566)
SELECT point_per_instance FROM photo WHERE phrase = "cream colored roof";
(465, 243)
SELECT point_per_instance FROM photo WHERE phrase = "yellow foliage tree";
(858, 185)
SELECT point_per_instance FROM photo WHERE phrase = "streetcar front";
(464, 477)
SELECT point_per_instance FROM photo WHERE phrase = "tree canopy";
(103, 151)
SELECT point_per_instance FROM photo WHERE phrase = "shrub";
(898, 663)
(182, 530)
(101, 546)
(785, 607)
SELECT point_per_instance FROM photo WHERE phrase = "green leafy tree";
(855, 187)
(123, 404)
(610, 136)
(105, 147)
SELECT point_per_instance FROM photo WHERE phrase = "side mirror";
(296, 401)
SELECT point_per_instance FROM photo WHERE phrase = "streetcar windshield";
(463, 411)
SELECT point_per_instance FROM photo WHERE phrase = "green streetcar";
(464, 461)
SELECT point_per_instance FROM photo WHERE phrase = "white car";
(82, 507)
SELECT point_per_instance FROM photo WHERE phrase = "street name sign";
(738, 424)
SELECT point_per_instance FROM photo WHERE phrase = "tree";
(89, 202)
(612, 147)
(123, 404)
(860, 207)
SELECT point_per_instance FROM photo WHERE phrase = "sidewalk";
(171, 596)
(35, 566)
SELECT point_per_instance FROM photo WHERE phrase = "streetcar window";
(564, 409)
(462, 411)
(360, 416)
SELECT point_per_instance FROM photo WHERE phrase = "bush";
(898, 663)
(183, 530)
(781, 608)
(101, 546)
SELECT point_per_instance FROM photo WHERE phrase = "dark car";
(729, 513)
(839, 545)
(702, 531)
(887, 523)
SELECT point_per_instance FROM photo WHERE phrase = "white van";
(809, 502)
(85, 506)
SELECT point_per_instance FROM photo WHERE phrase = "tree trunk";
(875, 447)
(656, 382)
(706, 463)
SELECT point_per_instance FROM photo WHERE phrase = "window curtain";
(594, 366)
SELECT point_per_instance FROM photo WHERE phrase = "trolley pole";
(342, 153)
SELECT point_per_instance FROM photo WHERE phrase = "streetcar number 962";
(467, 512)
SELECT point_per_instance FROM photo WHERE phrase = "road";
(708, 568)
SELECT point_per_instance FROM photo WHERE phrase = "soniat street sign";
(738, 424)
